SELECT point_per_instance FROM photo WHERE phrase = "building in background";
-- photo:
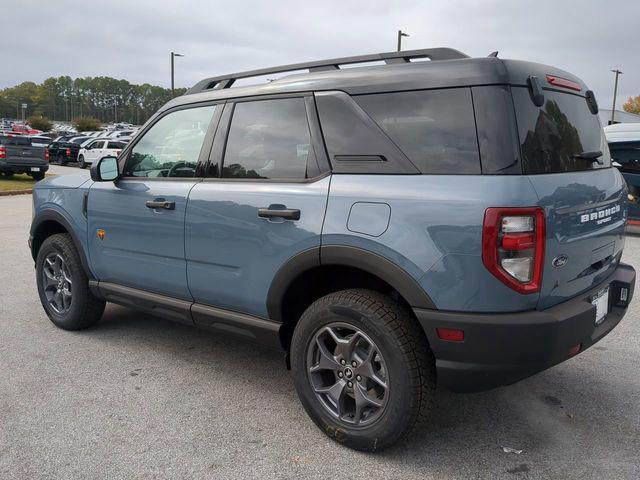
(620, 117)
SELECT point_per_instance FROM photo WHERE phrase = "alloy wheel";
(57, 283)
(348, 374)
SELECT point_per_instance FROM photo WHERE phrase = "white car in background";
(95, 149)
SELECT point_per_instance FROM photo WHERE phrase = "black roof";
(447, 68)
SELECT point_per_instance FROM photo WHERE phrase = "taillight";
(46, 155)
(68, 152)
(513, 246)
(3, 153)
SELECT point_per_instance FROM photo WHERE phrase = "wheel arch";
(50, 222)
(318, 271)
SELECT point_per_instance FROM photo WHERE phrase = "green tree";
(632, 105)
(84, 124)
(39, 123)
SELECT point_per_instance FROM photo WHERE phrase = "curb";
(16, 192)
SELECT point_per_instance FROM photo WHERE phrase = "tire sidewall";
(396, 417)
(68, 320)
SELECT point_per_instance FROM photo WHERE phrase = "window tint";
(268, 139)
(435, 129)
(115, 145)
(98, 144)
(552, 136)
(626, 154)
(497, 130)
(171, 147)
(79, 140)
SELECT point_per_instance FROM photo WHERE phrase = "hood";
(64, 181)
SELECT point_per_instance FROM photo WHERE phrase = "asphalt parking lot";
(141, 397)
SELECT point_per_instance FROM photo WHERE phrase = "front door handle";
(286, 213)
(161, 204)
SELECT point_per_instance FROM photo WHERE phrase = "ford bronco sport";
(454, 221)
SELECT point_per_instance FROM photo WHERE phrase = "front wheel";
(83, 165)
(362, 368)
(63, 285)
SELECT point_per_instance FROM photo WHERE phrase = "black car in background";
(65, 149)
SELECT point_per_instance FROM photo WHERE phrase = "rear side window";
(434, 128)
(553, 136)
(268, 139)
(627, 154)
(115, 145)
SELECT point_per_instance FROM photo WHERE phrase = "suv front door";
(136, 224)
(263, 207)
(94, 152)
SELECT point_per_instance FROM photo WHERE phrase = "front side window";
(97, 144)
(268, 139)
(171, 147)
(434, 128)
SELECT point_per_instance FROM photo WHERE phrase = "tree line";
(105, 98)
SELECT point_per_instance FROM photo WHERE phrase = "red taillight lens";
(513, 242)
(3, 153)
(68, 152)
(46, 155)
(563, 83)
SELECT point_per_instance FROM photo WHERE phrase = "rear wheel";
(38, 176)
(7, 174)
(63, 285)
(362, 368)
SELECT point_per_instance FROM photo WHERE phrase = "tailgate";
(19, 151)
(585, 219)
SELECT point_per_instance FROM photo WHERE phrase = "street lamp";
(172, 80)
(400, 35)
(615, 92)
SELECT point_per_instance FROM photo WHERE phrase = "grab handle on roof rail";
(535, 90)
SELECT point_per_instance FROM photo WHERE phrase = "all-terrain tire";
(84, 309)
(403, 348)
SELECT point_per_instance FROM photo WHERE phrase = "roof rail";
(226, 81)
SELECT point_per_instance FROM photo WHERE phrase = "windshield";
(556, 137)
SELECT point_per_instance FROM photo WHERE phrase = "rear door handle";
(161, 204)
(286, 213)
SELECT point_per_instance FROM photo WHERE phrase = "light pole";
(615, 92)
(400, 35)
(172, 80)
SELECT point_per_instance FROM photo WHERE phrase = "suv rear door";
(263, 203)
(584, 198)
(136, 224)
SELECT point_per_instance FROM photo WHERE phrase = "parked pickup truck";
(19, 155)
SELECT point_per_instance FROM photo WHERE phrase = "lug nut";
(354, 364)
(340, 374)
(358, 377)
(350, 384)
(343, 362)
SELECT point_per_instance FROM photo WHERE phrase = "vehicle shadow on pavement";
(552, 417)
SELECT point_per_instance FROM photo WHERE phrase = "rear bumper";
(22, 167)
(500, 349)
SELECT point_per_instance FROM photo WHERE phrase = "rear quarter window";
(434, 128)
(553, 135)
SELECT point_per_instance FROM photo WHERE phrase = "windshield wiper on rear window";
(590, 156)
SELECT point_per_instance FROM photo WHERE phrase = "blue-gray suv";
(453, 221)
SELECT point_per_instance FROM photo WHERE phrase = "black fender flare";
(50, 215)
(349, 256)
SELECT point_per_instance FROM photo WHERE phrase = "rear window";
(627, 154)
(553, 136)
(435, 128)
(16, 141)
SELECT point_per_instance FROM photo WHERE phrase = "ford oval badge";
(560, 261)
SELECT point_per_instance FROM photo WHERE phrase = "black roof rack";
(226, 81)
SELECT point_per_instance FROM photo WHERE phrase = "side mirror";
(105, 170)
(88, 147)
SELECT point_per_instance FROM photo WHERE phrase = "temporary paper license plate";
(601, 301)
(35, 169)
